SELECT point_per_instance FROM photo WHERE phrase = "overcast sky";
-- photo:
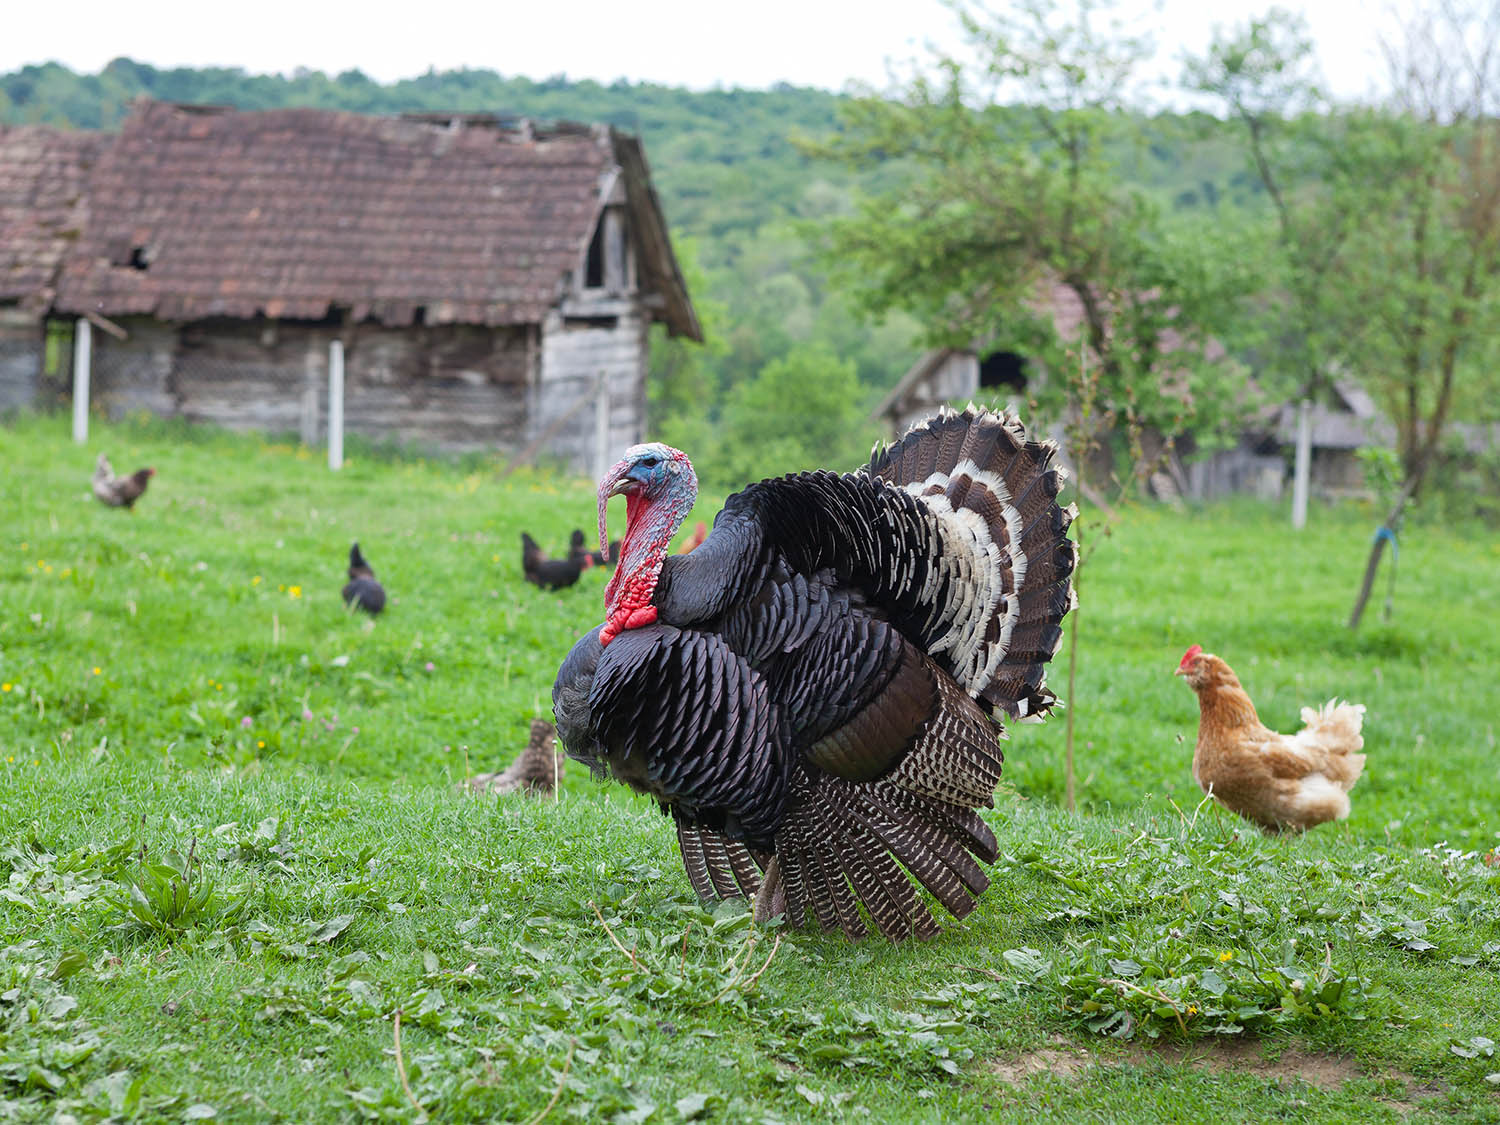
(695, 43)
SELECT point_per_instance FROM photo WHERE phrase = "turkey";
(814, 695)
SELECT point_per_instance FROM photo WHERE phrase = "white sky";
(695, 43)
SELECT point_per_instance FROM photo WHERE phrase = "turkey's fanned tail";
(995, 494)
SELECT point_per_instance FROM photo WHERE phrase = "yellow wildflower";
(295, 591)
(1227, 955)
(11, 758)
(255, 581)
(96, 670)
(5, 687)
(260, 743)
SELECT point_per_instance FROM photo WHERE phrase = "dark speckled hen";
(815, 693)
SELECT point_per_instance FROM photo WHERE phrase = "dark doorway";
(1003, 369)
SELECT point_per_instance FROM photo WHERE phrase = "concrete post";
(83, 354)
(336, 404)
(1302, 468)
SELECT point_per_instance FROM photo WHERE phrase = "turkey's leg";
(771, 901)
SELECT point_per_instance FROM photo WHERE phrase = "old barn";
(486, 283)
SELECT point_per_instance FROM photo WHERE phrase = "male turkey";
(817, 690)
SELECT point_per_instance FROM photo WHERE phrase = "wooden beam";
(104, 324)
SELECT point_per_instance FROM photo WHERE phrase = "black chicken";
(549, 573)
(362, 591)
(816, 691)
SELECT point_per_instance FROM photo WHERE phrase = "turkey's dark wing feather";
(677, 714)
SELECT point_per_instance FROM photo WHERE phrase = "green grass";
(192, 922)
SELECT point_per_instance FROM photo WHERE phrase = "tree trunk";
(1372, 566)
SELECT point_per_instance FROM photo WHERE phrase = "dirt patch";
(1246, 1056)
(1066, 1061)
(1058, 1059)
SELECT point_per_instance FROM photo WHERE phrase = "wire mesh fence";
(36, 364)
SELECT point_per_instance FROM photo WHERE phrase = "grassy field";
(240, 884)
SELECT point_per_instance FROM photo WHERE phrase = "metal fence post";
(83, 347)
(336, 404)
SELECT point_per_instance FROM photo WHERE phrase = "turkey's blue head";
(653, 478)
(659, 487)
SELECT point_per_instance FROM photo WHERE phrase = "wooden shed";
(487, 279)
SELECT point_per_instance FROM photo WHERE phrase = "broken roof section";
(199, 211)
(43, 172)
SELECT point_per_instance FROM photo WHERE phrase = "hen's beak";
(1179, 671)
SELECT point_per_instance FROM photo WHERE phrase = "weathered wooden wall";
(21, 357)
(576, 352)
(456, 387)
(947, 376)
(452, 387)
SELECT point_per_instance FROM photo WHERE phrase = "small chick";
(537, 770)
(1281, 782)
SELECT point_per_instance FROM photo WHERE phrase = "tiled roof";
(296, 213)
(42, 176)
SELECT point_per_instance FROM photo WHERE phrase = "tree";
(1431, 254)
(1009, 212)
(802, 411)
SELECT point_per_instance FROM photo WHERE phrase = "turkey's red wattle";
(649, 527)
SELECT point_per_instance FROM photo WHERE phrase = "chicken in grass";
(815, 694)
(536, 770)
(363, 591)
(695, 540)
(550, 573)
(119, 492)
(1281, 782)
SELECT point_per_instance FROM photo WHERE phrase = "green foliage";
(172, 895)
(802, 411)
